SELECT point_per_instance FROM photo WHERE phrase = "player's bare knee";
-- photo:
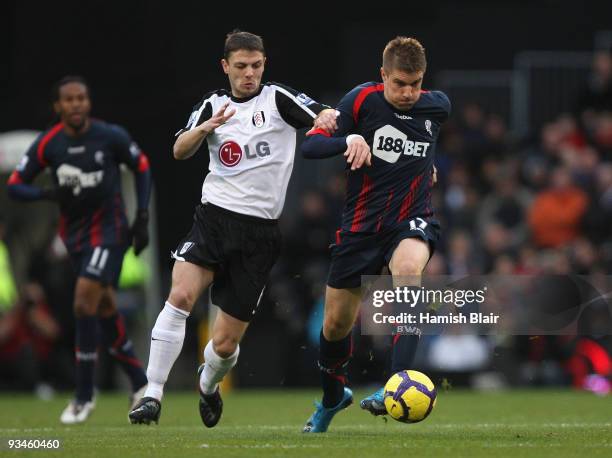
(182, 298)
(84, 308)
(335, 329)
(225, 346)
(406, 267)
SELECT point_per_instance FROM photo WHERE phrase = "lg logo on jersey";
(230, 152)
(389, 143)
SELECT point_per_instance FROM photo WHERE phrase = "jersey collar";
(245, 99)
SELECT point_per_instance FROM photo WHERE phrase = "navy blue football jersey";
(86, 167)
(397, 186)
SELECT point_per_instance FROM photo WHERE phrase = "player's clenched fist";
(218, 119)
(358, 152)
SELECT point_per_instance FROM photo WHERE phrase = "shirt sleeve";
(201, 112)
(296, 108)
(130, 154)
(31, 165)
(443, 105)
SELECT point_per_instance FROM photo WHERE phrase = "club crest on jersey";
(259, 119)
(428, 126)
(186, 247)
(99, 157)
(230, 153)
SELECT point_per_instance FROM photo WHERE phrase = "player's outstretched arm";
(319, 145)
(190, 141)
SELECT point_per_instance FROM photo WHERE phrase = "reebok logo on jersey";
(76, 149)
(259, 119)
(74, 177)
(404, 117)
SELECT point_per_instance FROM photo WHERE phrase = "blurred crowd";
(541, 204)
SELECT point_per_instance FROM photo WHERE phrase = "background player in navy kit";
(235, 238)
(387, 218)
(84, 157)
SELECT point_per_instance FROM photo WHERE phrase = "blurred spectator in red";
(556, 214)
(27, 334)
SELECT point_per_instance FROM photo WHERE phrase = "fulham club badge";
(259, 119)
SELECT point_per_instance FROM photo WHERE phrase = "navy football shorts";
(356, 253)
(101, 263)
(240, 249)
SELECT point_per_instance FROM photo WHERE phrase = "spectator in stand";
(507, 204)
(556, 214)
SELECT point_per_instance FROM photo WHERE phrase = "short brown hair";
(237, 40)
(405, 54)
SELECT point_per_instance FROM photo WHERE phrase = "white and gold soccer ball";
(410, 396)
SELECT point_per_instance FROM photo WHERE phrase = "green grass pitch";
(268, 423)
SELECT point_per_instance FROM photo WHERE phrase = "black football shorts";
(240, 249)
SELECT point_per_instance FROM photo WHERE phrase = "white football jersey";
(251, 156)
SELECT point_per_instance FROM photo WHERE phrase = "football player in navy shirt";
(84, 155)
(391, 128)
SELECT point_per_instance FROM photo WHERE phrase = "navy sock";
(403, 352)
(333, 360)
(120, 348)
(404, 346)
(86, 357)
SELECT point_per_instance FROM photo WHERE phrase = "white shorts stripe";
(95, 256)
(103, 259)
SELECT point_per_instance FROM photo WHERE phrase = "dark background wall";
(149, 62)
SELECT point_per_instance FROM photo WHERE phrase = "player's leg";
(119, 345)
(341, 309)
(250, 247)
(87, 296)
(220, 356)
(188, 282)
(407, 263)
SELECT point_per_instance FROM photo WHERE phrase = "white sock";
(166, 342)
(215, 368)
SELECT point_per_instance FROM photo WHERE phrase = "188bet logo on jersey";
(231, 153)
(389, 143)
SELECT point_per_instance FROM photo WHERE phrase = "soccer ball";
(409, 396)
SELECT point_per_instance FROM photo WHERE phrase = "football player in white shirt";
(250, 133)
